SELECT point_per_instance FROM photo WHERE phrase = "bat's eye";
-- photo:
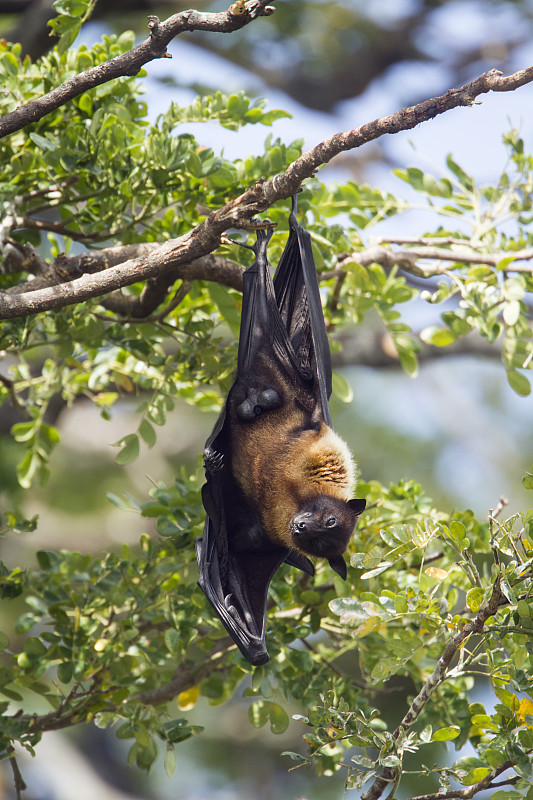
(331, 522)
(301, 526)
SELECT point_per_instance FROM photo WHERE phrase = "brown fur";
(280, 464)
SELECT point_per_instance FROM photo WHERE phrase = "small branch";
(56, 227)
(10, 387)
(129, 64)
(178, 298)
(487, 782)
(334, 297)
(334, 669)
(20, 785)
(184, 678)
(435, 679)
(407, 258)
(502, 502)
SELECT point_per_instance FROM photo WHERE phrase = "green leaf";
(294, 756)
(258, 713)
(172, 641)
(130, 449)
(390, 761)
(23, 431)
(511, 312)
(44, 143)
(147, 433)
(438, 337)
(226, 303)
(170, 762)
(65, 671)
(341, 388)
(464, 179)
(514, 288)
(527, 480)
(279, 719)
(474, 599)
(446, 734)
(518, 382)
(484, 721)
(27, 468)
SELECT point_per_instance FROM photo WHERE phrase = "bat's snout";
(305, 524)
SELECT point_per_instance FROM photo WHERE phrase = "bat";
(279, 480)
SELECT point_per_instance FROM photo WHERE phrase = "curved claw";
(213, 460)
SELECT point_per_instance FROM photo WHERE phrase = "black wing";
(283, 320)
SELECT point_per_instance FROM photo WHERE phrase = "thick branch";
(130, 63)
(64, 270)
(435, 679)
(186, 261)
(237, 213)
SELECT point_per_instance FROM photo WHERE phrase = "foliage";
(114, 640)
(399, 617)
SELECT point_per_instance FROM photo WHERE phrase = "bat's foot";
(213, 460)
(228, 605)
(256, 403)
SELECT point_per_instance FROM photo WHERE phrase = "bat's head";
(323, 525)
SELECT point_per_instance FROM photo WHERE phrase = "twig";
(20, 785)
(407, 258)
(487, 782)
(179, 295)
(184, 679)
(10, 386)
(502, 502)
(353, 681)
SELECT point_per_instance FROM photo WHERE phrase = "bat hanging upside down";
(279, 480)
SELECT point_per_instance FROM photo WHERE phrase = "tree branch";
(435, 679)
(205, 237)
(129, 64)
(63, 270)
(464, 254)
(488, 782)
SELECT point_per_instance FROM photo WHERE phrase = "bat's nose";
(303, 523)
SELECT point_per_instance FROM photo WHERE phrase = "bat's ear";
(339, 565)
(357, 506)
(301, 562)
